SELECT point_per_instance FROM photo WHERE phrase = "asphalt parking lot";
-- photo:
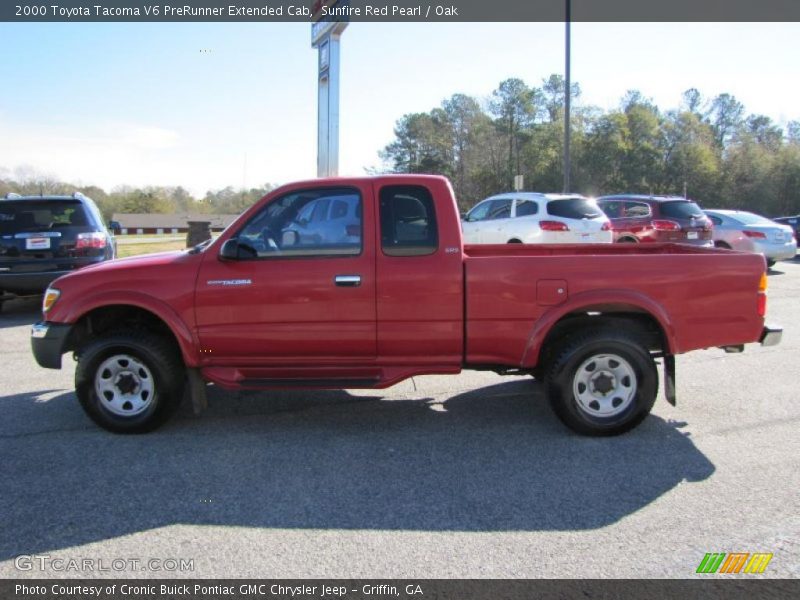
(468, 476)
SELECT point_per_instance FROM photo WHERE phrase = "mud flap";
(669, 378)
(197, 391)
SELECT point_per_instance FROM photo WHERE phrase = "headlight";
(50, 297)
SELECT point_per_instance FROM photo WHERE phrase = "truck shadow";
(491, 459)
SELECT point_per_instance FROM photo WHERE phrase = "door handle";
(347, 280)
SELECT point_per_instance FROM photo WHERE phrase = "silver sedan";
(749, 232)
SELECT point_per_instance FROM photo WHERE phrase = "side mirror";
(230, 250)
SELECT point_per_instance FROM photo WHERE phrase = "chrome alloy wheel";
(124, 385)
(604, 385)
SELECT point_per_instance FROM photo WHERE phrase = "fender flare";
(584, 302)
(158, 308)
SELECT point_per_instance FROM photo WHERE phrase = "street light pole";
(567, 95)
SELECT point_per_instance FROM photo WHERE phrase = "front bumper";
(48, 341)
(771, 335)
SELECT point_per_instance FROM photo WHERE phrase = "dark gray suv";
(44, 237)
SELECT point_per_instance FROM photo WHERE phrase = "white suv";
(532, 218)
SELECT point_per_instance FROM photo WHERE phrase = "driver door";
(291, 298)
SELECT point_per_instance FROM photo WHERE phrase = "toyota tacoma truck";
(364, 282)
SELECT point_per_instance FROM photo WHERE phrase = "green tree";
(553, 96)
(422, 144)
(725, 115)
(691, 159)
(514, 104)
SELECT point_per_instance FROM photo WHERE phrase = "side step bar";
(336, 383)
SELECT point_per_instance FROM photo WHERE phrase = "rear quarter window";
(408, 221)
(636, 209)
(526, 208)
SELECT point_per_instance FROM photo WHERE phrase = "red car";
(399, 295)
(638, 218)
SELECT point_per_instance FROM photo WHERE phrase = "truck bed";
(700, 297)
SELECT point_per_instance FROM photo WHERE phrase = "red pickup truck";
(363, 282)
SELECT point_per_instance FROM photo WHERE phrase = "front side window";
(408, 221)
(480, 212)
(324, 222)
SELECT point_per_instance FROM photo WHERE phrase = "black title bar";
(399, 10)
(396, 589)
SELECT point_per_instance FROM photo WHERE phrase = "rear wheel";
(722, 245)
(602, 383)
(771, 263)
(514, 241)
(129, 382)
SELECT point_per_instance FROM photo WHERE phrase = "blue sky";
(210, 105)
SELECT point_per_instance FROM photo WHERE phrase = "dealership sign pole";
(325, 37)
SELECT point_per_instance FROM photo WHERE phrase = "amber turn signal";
(50, 297)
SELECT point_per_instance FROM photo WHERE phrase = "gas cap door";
(550, 292)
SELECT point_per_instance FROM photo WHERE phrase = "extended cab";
(363, 282)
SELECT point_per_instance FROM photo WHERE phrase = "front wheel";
(602, 383)
(129, 382)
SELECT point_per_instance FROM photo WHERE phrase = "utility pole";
(567, 94)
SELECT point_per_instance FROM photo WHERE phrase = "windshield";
(201, 246)
(751, 219)
(681, 210)
(35, 215)
(574, 208)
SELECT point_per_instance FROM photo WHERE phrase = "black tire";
(514, 241)
(627, 240)
(155, 374)
(722, 245)
(771, 263)
(621, 359)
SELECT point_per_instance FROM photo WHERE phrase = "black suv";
(44, 237)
